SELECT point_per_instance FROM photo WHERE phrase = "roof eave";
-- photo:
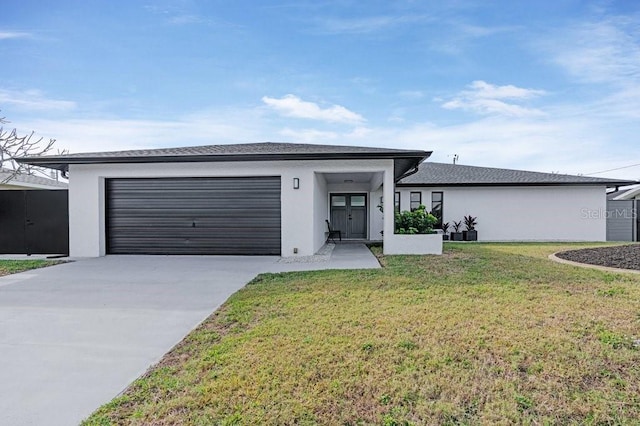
(493, 184)
(62, 163)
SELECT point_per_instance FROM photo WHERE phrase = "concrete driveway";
(73, 336)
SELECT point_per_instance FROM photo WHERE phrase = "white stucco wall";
(320, 209)
(303, 210)
(376, 217)
(524, 213)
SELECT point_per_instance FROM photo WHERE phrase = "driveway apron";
(73, 336)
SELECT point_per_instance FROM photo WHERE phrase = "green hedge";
(419, 221)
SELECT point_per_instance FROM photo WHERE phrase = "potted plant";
(445, 231)
(470, 223)
(456, 235)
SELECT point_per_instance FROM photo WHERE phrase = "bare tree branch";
(13, 146)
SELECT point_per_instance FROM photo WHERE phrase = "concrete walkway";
(75, 335)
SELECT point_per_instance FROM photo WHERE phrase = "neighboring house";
(260, 198)
(627, 194)
(512, 205)
(623, 220)
(11, 181)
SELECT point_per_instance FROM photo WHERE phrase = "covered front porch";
(351, 206)
(358, 206)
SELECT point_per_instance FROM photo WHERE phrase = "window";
(437, 199)
(358, 201)
(396, 202)
(338, 200)
(416, 200)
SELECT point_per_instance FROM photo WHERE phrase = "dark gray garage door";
(193, 216)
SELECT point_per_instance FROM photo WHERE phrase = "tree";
(13, 146)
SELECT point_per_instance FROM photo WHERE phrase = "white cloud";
(114, 134)
(179, 14)
(565, 145)
(477, 31)
(186, 19)
(308, 135)
(293, 106)
(411, 94)
(603, 55)
(485, 90)
(367, 25)
(489, 99)
(492, 106)
(33, 100)
(457, 36)
(566, 141)
(603, 51)
(6, 35)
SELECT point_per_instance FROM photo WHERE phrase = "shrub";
(418, 221)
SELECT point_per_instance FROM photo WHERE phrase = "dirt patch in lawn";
(624, 257)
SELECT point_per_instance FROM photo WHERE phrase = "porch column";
(388, 190)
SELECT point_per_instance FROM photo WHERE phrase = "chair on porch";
(333, 233)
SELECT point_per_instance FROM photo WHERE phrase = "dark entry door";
(349, 215)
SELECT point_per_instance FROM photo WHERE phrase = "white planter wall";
(413, 244)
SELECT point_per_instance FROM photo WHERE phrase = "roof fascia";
(512, 184)
(62, 163)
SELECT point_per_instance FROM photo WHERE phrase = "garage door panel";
(194, 216)
(218, 202)
(179, 206)
(220, 235)
(195, 222)
(187, 183)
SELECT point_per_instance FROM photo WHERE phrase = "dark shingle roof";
(264, 151)
(442, 174)
(261, 148)
(7, 177)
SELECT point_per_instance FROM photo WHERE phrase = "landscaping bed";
(625, 257)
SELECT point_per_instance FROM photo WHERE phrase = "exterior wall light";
(296, 183)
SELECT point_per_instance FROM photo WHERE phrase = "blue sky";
(538, 85)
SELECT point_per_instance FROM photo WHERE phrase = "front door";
(349, 215)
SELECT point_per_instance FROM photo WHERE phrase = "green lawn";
(14, 266)
(485, 334)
